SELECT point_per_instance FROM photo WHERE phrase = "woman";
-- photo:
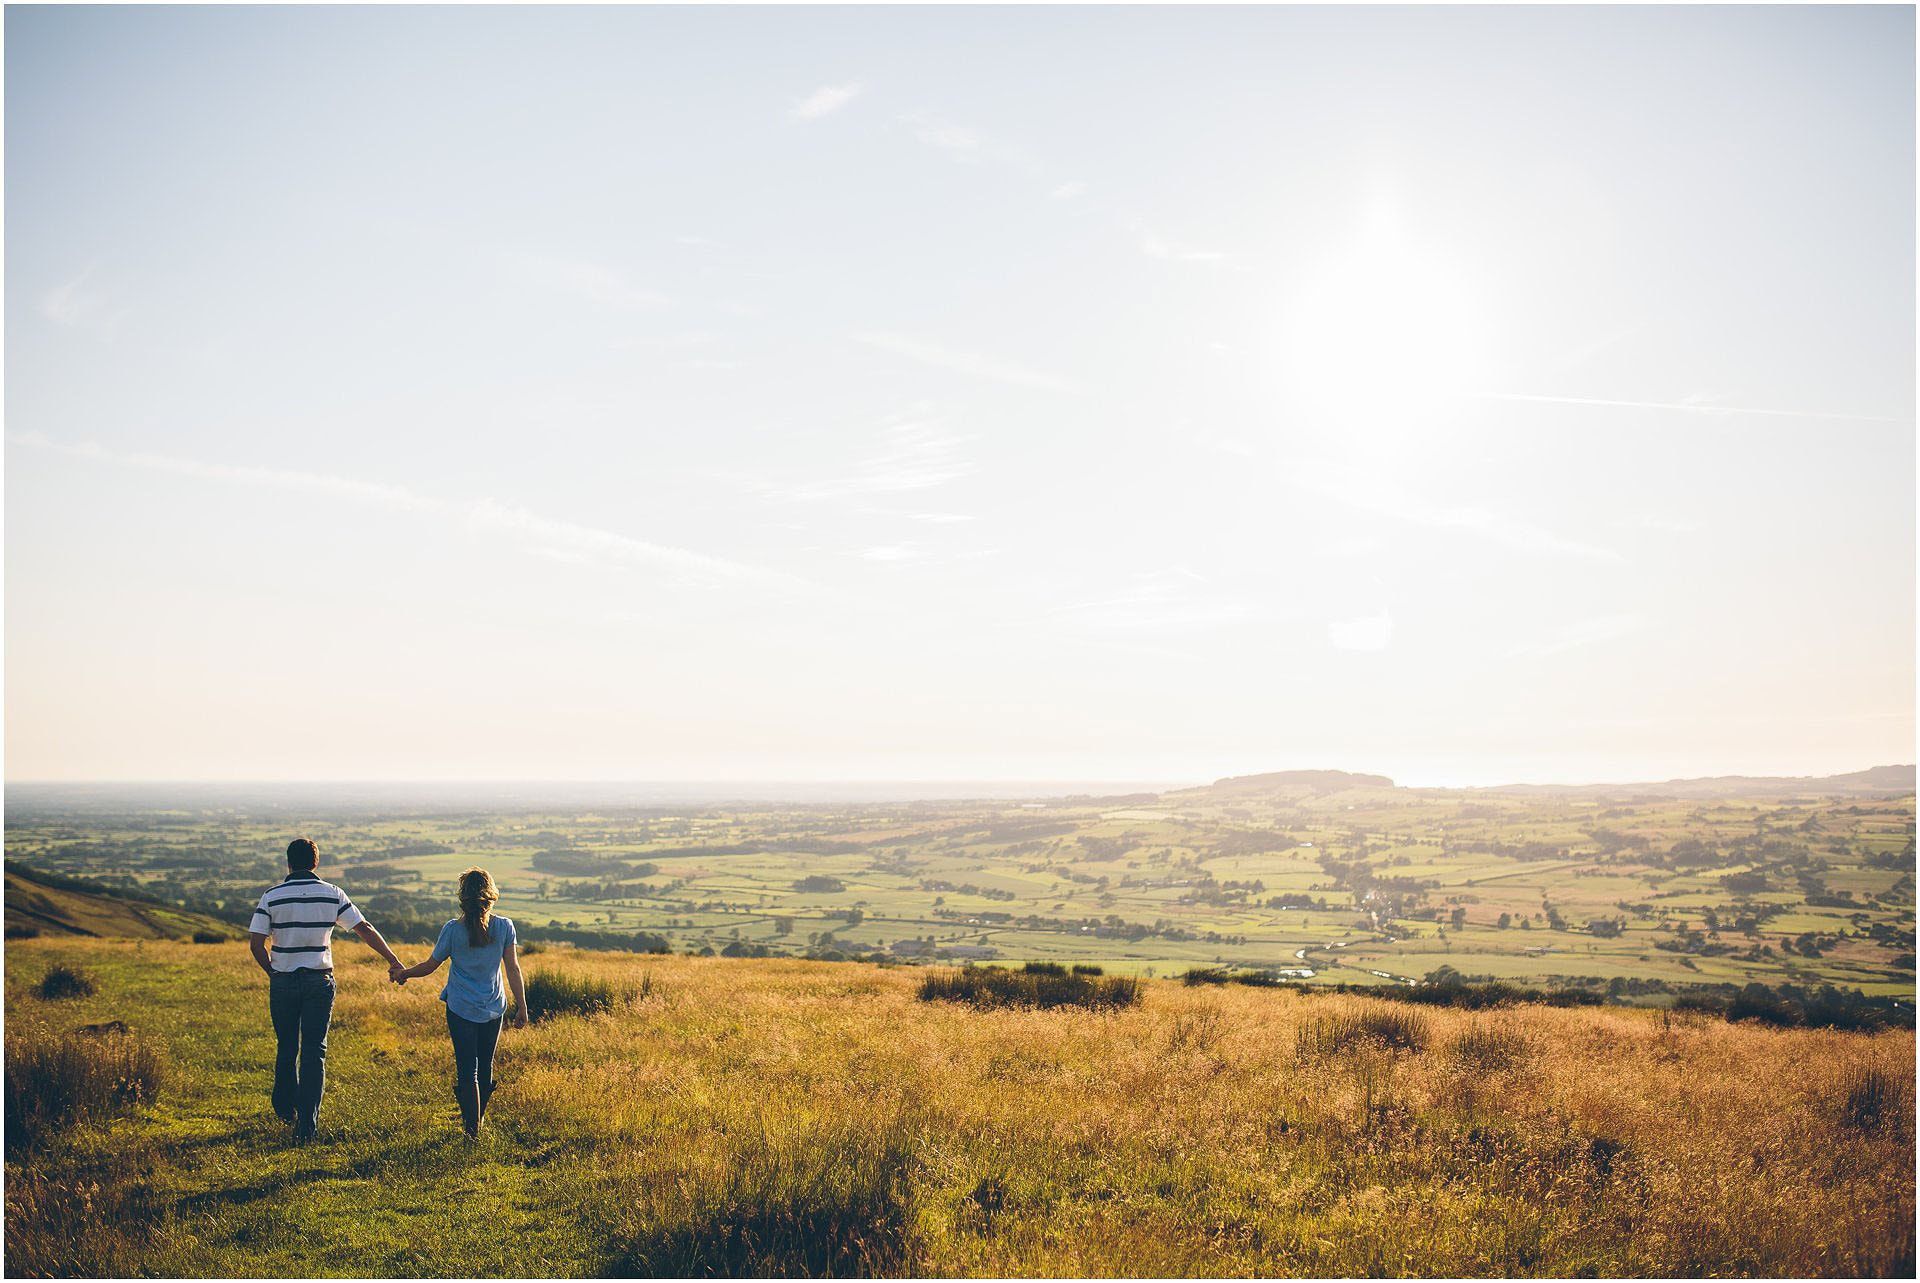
(480, 942)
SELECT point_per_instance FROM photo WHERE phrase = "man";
(298, 916)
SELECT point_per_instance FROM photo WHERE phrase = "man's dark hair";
(301, 855)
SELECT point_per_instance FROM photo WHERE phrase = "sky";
(1150, 394)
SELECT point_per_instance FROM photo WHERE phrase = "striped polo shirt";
(299, 915)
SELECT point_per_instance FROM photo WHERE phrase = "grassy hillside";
(43, 906)
(778, 1116)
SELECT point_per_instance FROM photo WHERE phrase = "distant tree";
(1458, 918)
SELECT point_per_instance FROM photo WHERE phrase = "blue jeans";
(473, 1044)
(301, 1003)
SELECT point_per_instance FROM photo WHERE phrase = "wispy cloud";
(825, 100)
(1660, 524)
(593, 282)
(917, 455)
(77, 305)
(1155, 245)
(1512, 531)
(1691, 407)
(944, 134)
(564, 539)
(970, 145)
(969, 363)
(1170, 600)
(1585, 632)
(891, 552)
(1067, 191)
(1366, 633)
(1383, 498)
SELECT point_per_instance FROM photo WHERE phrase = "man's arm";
(365, 930)
(258, 943)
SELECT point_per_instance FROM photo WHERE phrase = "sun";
(1382, 338)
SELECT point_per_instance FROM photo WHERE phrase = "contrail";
(1693, 406)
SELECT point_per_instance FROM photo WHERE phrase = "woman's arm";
(418, 969)
(510, 959)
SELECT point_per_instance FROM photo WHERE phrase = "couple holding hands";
(291, 936)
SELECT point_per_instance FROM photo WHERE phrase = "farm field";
(1322, 876)
(784, 1117)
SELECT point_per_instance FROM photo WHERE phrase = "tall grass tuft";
(1326, 1036)
(994, 987)
(557, 993)
(1872, 1099)
(98, 1215)
(56, 1081)
(63, 981)
(832, 1201)
(1488, 1049)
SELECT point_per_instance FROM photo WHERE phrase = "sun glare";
(1380, 341)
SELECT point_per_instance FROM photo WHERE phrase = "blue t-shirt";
(474, 991)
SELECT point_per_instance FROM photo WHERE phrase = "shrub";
(1206, 976)
(555, 993)
(21, 931)
(53, 1082)
(62, 981)
(1389, 1030)
(1044, 969)
(209, 937)
(1088, 969)
(994, 987)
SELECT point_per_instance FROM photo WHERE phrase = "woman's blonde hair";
(477, 897)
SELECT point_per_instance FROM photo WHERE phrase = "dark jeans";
(301, 1003)
(473, 1045)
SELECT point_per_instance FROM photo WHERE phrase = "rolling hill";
(46, 904)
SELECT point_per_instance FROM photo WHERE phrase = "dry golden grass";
(781, 1117)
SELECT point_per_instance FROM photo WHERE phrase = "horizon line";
(1135, 784)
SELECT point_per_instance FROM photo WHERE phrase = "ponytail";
(477, 897)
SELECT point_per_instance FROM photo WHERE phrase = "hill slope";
(38, 904)
(786, 1117)
(1878, 781)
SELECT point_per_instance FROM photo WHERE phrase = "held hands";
(396, 973)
